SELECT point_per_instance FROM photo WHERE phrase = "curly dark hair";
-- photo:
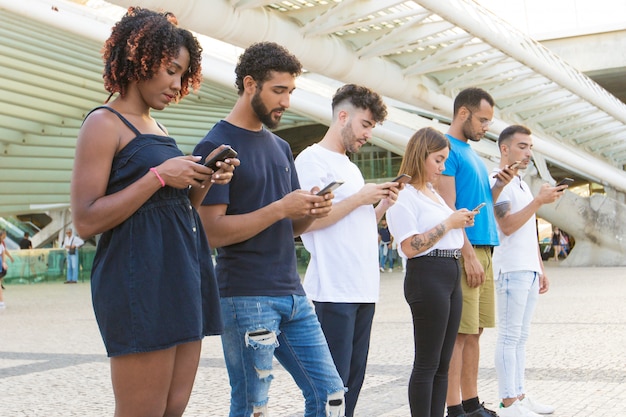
(259, 59)
(141, 43)
(470, 98)
(362, 98)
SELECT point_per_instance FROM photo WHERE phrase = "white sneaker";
(2, 305)
(390, 269)
(382, 269)
(515, 410)
(536, 407)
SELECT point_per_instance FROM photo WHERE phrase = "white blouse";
(415, 213)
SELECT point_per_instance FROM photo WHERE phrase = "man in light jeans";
(518, 269)
(71, 243)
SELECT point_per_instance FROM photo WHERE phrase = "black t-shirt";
(26, 244)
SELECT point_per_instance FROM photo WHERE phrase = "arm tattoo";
(502, 209)
(426, 240)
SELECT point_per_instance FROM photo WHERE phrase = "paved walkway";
(52, 361)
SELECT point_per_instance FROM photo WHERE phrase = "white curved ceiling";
(418, 54)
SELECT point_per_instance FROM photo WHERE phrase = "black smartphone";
(330, 187)
(402, 179)
(478, 207)
(565, 181)
(222, 155)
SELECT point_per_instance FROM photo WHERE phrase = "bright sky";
(546, 19)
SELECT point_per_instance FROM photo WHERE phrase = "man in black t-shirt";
(25, 243)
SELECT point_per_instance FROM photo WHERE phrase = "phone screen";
(402, 178)
(330, 187)
(478, 207)
(565, 181)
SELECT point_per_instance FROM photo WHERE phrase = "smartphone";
(515, 164)
(565, 181)
(222, 155)
(478, 207)
(330, 187)
(402, 179)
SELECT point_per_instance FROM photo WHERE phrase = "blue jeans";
(384, 258)
(258, 328)
(347, 327)
(72, 267)
(517, 293)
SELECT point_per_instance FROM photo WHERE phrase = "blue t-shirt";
(264, 265)
(471, 180)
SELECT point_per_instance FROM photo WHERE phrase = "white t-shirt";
(520, 250)
(415, 213)
(344, 256)
(73, 241)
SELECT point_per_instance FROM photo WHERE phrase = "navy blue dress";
(152, 284)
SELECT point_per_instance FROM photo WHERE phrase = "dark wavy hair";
(261, 58)
(361, 98)
(141, 43)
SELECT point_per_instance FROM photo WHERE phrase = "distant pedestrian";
(4, 254)
(71, 243)
(26, 243)
(385, 241)
(558, 240)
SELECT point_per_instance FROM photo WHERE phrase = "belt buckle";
(456, 253)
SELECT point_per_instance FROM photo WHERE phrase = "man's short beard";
(262, 113)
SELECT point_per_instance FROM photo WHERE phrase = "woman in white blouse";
(431, 236)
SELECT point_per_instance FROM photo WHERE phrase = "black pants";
(432, 289)
(347, 327)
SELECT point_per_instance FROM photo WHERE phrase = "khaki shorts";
(478, 303)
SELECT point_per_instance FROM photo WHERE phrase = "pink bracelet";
(158, 176)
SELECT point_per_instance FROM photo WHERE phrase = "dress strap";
(122, 118)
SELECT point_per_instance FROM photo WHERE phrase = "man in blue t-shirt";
(252, 222)
(465, 184)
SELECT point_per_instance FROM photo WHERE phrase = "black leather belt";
(482, 246)
(445, 253)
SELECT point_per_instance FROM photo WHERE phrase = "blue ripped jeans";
(258, 328)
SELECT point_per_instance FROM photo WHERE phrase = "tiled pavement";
(52, 361)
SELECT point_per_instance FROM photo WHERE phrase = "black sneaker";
(482, 412)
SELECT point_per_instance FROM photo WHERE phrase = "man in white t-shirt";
(342, 277)
(71, 243)
(518, 271)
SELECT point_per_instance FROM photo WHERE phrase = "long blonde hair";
(423, 142)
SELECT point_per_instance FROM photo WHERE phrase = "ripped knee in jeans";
(335, 406)
(264, 341)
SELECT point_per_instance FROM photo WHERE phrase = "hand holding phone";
(478, 207)
(565, 181)
(515, 164)
(222, 155)
(402, 179)
(330, 187)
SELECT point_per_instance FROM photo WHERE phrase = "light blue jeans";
(258, 328)
(516, 294)
(72, 267)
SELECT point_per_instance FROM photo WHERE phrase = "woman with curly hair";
(153, 286)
